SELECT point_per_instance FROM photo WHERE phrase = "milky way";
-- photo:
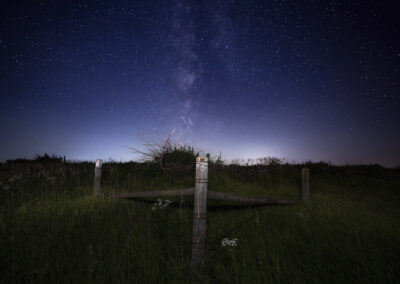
(191, 41)
(301, 80)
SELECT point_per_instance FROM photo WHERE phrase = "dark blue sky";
(301, 80)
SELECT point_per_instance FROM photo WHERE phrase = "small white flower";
(228, 242)
(15, 178)
(160, 204)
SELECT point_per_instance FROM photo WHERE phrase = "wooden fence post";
(305, 187)
(97, 178)
(200, 213)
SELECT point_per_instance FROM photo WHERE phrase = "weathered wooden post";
(97, 178)
(305, 185)
(200, 213)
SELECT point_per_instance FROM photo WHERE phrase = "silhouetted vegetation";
(45, 158)
(48, 159)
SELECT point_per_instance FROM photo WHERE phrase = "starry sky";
(300, 80)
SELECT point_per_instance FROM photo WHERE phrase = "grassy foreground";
(53, 230)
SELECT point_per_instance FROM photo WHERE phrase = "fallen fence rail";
(211, 195)
(157, 193)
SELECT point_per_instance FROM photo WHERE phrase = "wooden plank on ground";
(157, 193)
(212, 195)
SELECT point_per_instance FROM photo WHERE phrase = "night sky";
(300, 80)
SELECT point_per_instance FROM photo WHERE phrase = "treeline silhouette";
(45, 158)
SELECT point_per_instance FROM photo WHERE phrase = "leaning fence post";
(200, 213)
(305, 185)
(97, 178)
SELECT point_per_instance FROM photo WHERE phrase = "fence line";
(200, 212)
(97, 178)
(201, 195)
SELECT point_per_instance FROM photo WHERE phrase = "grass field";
(53, 230)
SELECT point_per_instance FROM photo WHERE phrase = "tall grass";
(53, 230)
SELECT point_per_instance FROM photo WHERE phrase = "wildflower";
(228, 242)
(15, 178)
(160, 204)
